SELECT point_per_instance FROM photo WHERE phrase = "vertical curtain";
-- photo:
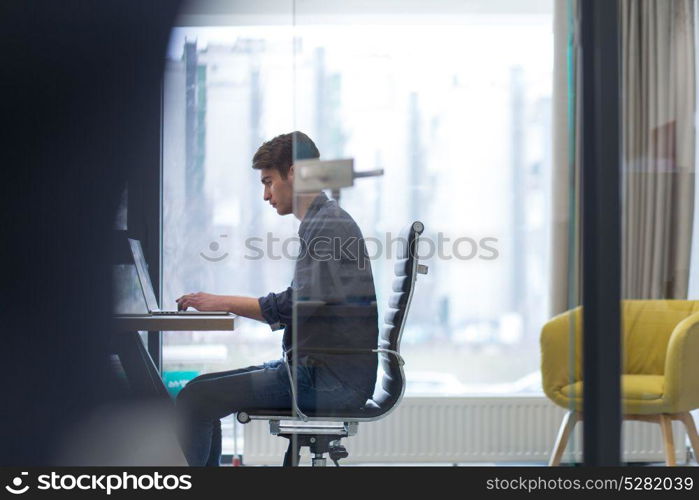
(658, 135)
(658, 99)
(565, 285)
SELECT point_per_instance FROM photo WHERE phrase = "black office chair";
(322, 431)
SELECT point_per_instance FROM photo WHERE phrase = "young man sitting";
(332, 273)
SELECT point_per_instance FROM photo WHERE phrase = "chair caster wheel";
(337, 452)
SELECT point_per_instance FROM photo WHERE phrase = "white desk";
(143, 376)
(154, 323)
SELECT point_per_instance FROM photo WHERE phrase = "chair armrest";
(682, 365)
(561, 353)
(341, 350)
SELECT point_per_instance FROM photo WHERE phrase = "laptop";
(147, 287)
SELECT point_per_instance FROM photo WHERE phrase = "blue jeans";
(206, 399)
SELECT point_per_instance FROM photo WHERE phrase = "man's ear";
(290, 175)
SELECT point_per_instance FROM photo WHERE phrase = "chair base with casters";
(320, 437)
(322, 432)
(664, 420)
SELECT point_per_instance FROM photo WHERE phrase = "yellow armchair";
(660, 367)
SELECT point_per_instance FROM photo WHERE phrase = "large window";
(457, 115)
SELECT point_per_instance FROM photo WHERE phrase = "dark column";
(77, 100)
(601, 246)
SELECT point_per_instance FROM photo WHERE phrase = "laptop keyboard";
(190, 313)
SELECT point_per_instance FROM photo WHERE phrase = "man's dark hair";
(281, 152)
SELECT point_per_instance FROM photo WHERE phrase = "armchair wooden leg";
(666, 428)
(688, 422)
(567, 425)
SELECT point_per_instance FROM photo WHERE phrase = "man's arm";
(248, 307)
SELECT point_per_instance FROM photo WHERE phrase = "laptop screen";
(127, 291)
(143, 276)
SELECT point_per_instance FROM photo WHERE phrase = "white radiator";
(468, 429)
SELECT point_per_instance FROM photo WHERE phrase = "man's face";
(278, 192)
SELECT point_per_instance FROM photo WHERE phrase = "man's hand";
(242, 306)
(202, 302)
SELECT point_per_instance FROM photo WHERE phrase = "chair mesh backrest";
(393, 381)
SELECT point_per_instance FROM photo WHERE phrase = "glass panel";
(659, 264)
(464, 138)
(225, 90)
(561, 334)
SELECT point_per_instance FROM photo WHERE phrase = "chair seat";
(369, 410)
(633, 387)
(640, 394)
